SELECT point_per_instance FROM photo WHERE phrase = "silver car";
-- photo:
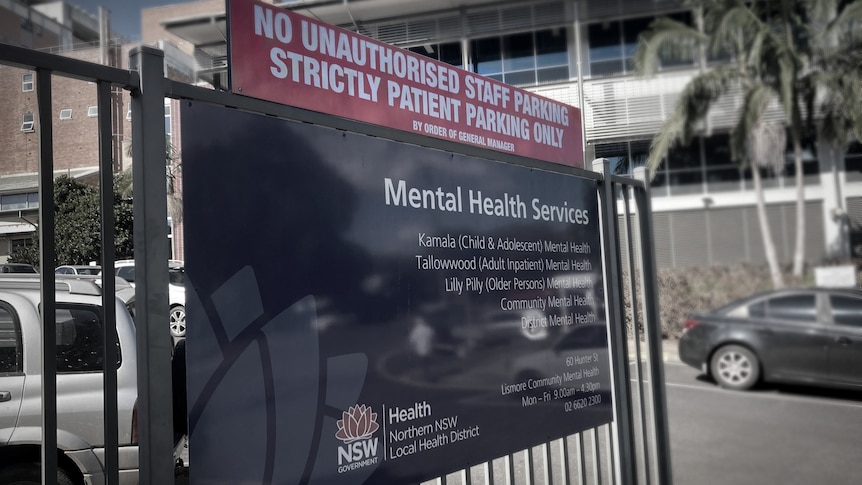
(125, 268)
(80, 365)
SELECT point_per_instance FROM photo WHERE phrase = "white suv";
(125, 269)
(80, 364)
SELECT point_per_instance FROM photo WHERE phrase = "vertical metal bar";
(565, 460)
(47, 250)
(511, 459)
(653, 333)
(578, 62)
(528, 466)
(597, 462)
(609, 447)
(619, 346)
(635, 333)
(151, 269)
(106, 175)
(549, 463)
(582, 458)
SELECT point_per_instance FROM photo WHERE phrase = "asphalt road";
(772, 435)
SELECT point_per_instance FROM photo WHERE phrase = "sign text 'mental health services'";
(403, 313)
(284, 57)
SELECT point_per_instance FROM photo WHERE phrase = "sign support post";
(653, 326)
(151, 255)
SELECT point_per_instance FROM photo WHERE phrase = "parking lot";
(771, 435)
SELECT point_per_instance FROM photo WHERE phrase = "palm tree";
(173, 171)
(729, 27)
(790, 64)
(830, 84)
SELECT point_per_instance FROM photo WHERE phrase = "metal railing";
(153, 339)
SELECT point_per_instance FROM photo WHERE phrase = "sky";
(125, 14)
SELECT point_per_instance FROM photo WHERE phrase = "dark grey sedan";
(805, 336)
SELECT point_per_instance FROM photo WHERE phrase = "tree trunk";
(799, 256)
(830, 154)
(768, 244)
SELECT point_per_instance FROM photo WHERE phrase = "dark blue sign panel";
(367, 311)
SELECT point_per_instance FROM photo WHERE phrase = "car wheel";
(30, 474)
(735, 367)
(178, 321)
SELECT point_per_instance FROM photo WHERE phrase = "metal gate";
(633, 449)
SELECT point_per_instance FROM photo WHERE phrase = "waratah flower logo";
(357, 423)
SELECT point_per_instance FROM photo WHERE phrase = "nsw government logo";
(356, 429)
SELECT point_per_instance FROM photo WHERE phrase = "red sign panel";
(287, 58)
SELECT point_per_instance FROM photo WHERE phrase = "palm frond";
(839, 102)
(750, 116)
(734, 27)
(757, 49)
(666, 39)
(820, 11)
(667, 137)
(846, 24)
(699, 95)
(766, 145)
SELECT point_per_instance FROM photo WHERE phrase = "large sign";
(363, 311)
(281, 56)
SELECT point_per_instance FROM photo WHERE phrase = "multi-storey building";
(580, 52)
(60, 27)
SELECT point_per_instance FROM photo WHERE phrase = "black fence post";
(654, 329)
(616, 321)
(155, 405)
(47, 250)
(109, 335)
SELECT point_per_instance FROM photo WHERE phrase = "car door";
(845, 351)
(795, 339)
(80, 365)
(11, 371)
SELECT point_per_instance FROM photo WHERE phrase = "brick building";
(60, 27)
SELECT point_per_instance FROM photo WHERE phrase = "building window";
(27, 82)
(168, 123)
(93, 111)
(613, 45)
(624, 157)
(552, 56)
(448, 53)
(853, 160)
(522, 59)
(66, 114)
(722, 173)
(606, 53)
(16, 202)
(28, 122)
(18, 245)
